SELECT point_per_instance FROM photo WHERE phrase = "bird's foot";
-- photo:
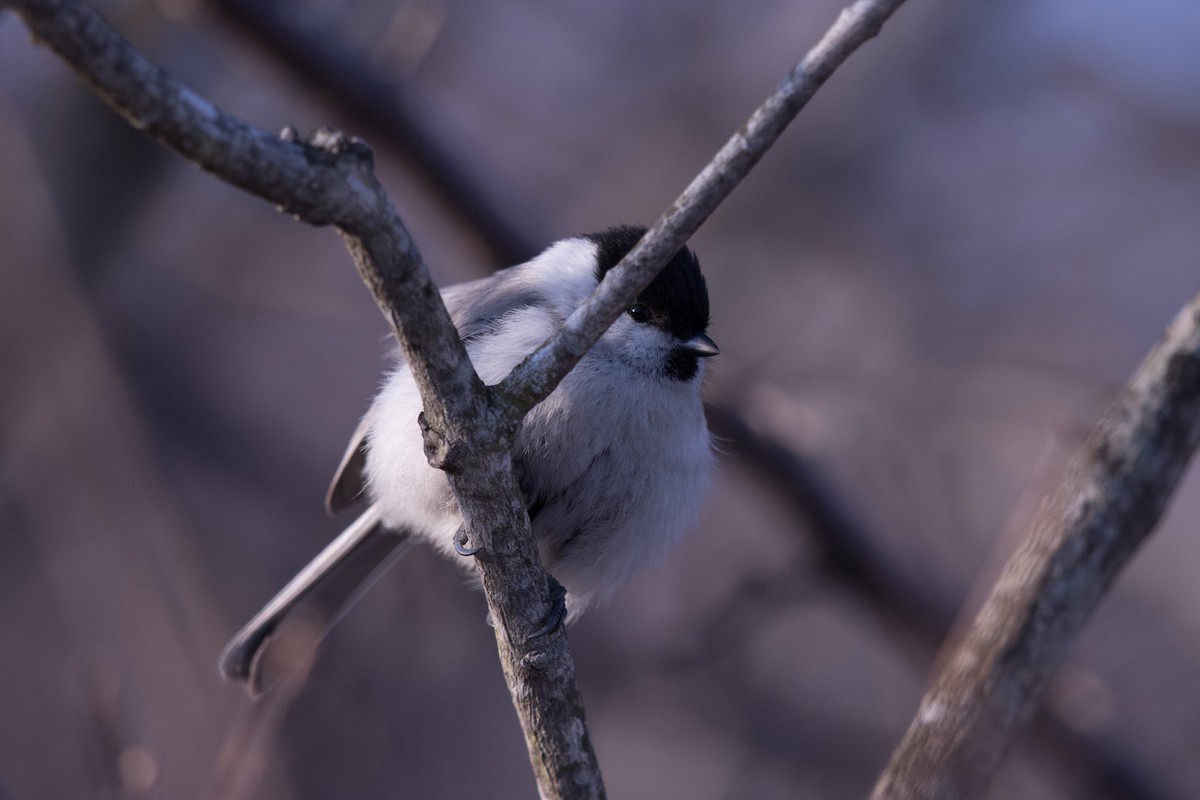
(557, 597)
(460, 543)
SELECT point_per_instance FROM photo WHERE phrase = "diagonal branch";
(326, 180)
(329, 179)
(850, 555)
(1107, 502)
(530, 382)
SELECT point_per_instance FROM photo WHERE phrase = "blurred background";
(925, 296)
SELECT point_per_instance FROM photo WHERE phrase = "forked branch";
(328, 179)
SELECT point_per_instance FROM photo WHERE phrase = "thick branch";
(329, 180)
(1104, 506)
(326, 180)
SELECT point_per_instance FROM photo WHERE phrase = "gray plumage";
(612, 465)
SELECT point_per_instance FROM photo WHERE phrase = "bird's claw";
(460, 544)
(557, 597)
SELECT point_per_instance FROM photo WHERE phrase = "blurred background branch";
(379, 108)
(1108, 501)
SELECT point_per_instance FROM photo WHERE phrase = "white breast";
(614, 464)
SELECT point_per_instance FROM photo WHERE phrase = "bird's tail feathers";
(282, 638)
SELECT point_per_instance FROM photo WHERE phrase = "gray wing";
(349, 482)
(475, 307)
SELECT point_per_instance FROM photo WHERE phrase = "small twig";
(1107, 502)
(530, 382)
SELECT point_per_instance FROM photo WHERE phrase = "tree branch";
(1107, 502)
(326, 180)
(849, 553)
(532, 380)
(329, 179)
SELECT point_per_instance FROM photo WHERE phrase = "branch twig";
(1104, 506)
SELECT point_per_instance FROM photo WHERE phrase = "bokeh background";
(927, 293)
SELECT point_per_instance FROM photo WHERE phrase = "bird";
(613, 465)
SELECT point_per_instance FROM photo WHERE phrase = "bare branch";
(1107, 502)
(326, 180)
(850, 554)
(329, 179)
(530, 382)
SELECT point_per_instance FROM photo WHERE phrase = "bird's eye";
(639, 312)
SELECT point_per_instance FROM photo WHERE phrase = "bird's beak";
(700, 346)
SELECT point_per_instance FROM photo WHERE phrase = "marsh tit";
(612, 464)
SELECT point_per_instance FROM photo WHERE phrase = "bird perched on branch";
(612, 464)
